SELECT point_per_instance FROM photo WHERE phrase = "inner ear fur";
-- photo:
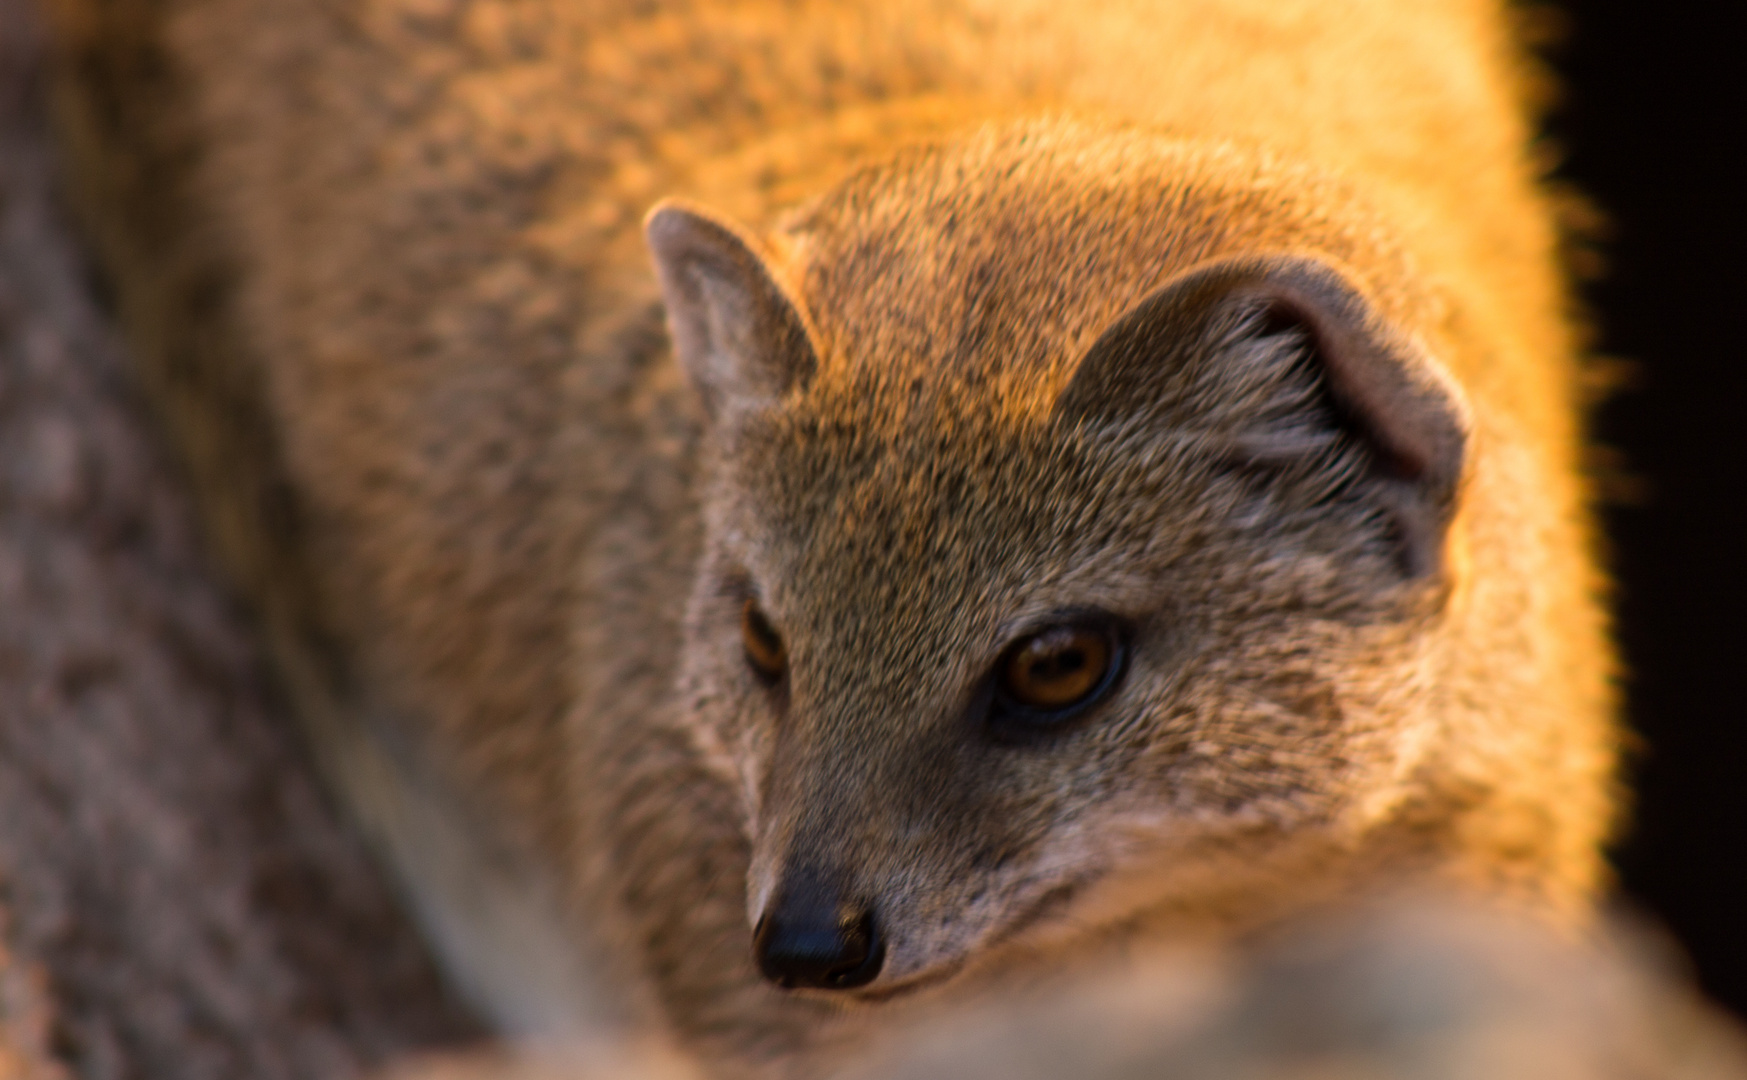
(735, 329)
(1382, 389)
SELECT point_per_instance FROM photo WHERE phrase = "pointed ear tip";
(673, 219)
(1411, 390)
(1310, 284)
(666, 220)
(677, 229)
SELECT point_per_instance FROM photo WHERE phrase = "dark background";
(1652, 119)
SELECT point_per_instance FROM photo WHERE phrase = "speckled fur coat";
(1234, 324)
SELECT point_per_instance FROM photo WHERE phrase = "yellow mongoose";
(1069, 473)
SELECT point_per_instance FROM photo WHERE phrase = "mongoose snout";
(812, 937)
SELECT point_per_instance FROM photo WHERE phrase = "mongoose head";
(1076, 544)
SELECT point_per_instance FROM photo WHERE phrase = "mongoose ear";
(739, 335)
(1278, 363)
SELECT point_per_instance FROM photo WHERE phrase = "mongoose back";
(808, 507)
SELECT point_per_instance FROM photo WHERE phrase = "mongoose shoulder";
(1041, 474)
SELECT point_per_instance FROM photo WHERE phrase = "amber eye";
(765, 652)
(1054, 671)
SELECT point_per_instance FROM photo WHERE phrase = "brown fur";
(982, 323)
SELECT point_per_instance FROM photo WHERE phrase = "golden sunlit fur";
(1236, 321)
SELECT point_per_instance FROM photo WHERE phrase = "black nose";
(833, 946)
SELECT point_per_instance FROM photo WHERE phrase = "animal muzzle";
(815, 935)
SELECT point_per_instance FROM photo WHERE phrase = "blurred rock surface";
(176, 899)
(1416, 988)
